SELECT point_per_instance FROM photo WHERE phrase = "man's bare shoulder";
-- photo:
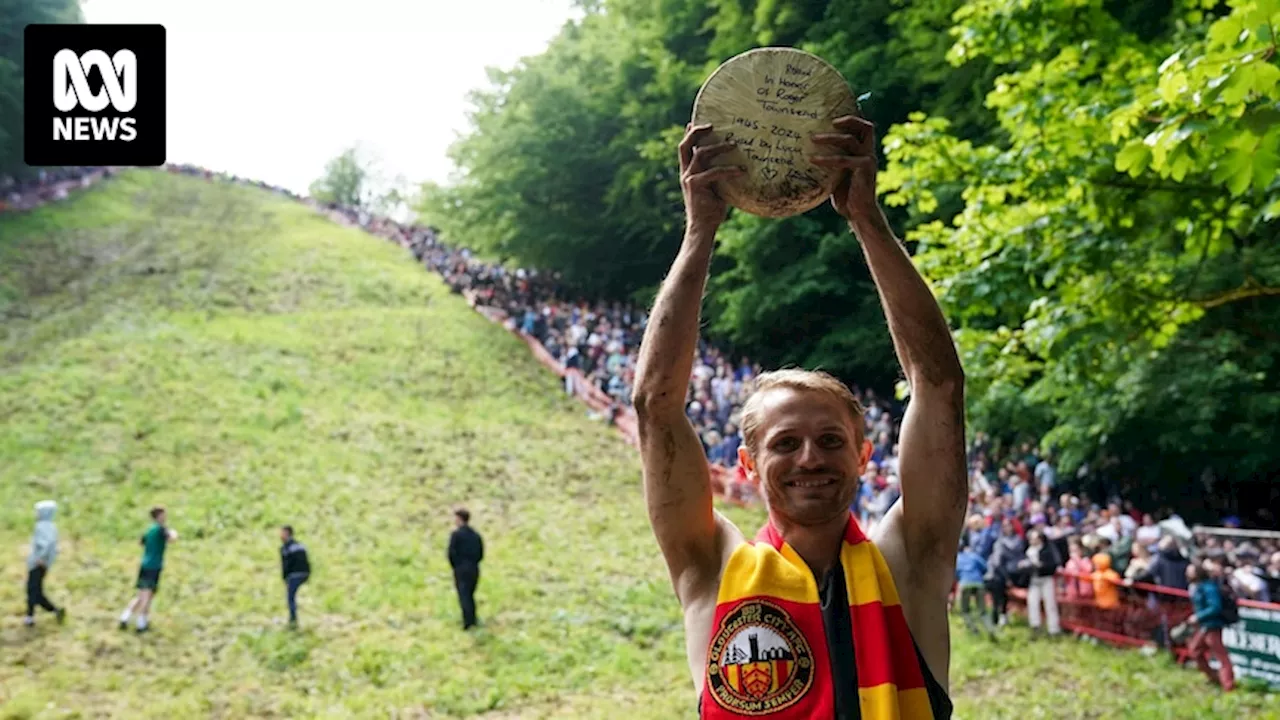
(730, 538)
(699, 596)
(930, 576)
(921, 591)
(889, 540)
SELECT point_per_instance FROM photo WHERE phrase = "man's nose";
(811, 455)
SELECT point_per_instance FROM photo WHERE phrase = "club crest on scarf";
(759, 662)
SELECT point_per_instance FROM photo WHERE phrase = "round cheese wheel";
(769, 101)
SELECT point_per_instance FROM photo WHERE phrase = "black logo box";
(42, 43)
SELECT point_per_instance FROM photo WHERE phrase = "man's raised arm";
(677, 482)
(931, 463)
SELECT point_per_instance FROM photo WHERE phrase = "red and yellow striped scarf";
(768, 651)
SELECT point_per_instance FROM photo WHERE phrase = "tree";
(571, 165)
(346, 180)
(15, 15)
(1078, 202)
(394, 198)
(1113, 270)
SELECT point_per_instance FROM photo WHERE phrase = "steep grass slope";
(246, 363)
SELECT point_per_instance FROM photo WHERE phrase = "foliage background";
(1089, 185)
(15, 15)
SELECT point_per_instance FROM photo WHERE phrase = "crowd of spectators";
(599, 339)
(1017, 503)
(44, 185)
(1021, 529)
(1112, 569)
(1027, 528)
(1016, 496)
(200, 172)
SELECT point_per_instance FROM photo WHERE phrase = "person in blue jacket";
(1206, 599)
(981, 536)
(971, 568)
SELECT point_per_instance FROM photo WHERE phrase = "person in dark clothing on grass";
(466, 550)
(154, 542)
(295, 567)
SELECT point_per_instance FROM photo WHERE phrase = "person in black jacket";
(1042, 560)
(295, 567)
(1167, 569)
(1002, 569)
(466, 550)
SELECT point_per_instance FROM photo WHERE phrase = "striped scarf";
(768, 654)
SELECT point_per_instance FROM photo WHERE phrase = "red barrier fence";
(1153, 616)
(728, 484)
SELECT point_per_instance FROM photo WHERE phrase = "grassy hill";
(246, 363)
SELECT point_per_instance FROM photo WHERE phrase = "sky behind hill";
(273, 89)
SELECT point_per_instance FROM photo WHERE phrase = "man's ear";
(866, 457)
(745, 460)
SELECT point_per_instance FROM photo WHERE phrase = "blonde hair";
(800, 380)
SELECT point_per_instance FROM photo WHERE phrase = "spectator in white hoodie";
(44, 550)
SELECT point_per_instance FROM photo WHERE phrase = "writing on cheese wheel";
(769, 102)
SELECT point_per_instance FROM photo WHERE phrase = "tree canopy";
(1089, 185)
(355, 177)
(1113, 273)
(15, 15)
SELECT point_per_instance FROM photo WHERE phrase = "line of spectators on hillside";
(197, 171)
(600, 339)
(1015, 492)
(45, 185)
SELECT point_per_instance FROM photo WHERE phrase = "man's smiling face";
(809, 454)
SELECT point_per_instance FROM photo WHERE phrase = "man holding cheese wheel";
(810, 618)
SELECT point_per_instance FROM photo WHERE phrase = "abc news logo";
(94, 95)
(71, 90)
